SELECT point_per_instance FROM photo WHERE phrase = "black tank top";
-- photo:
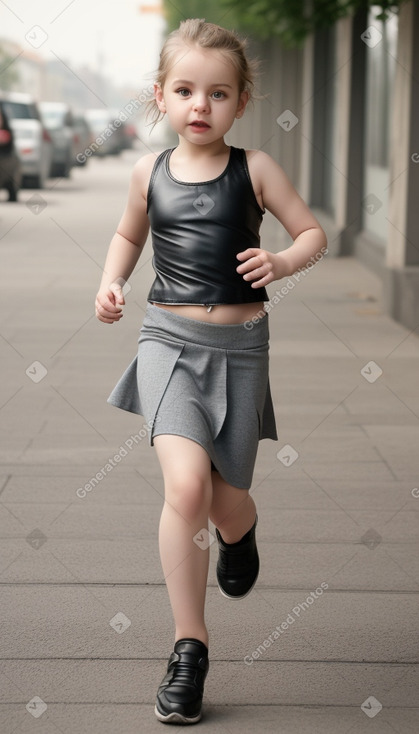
(198, 229)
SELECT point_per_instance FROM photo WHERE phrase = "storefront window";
(324, 152)
(331, 129)
(380, 67)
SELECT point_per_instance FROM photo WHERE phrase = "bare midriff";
(226, 313)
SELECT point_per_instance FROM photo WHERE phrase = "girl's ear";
(243, 100)
(158, 94)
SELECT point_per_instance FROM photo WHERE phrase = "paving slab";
(104, 718)
(264, 683)
(309, 624)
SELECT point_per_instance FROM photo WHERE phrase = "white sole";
(238, 598)
(176, 718)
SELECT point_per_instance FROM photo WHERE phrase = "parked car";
(104, 130)
(124, 134)
(10, 166)
(83, 138)
(32, 141)
(58, 119)
(130, 135)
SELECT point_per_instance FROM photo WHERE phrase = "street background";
(86, 622)
(328, 639)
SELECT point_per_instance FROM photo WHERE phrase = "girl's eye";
(218, 95)
(183, 92)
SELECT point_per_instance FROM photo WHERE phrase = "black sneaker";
(179, 697)
(238, 565)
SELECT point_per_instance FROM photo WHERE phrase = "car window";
(34, 112)
(52, 118)
(20, 111)
(98, 124)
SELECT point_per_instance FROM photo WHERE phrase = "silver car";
(32, 141)
(83, 137)
(58, 119)
(107, 136)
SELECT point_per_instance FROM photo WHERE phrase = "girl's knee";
(189, 496)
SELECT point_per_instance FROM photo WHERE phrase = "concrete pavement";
(86, 623)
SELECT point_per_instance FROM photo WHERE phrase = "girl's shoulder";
(265, 174)
(259, 162)
(146, 162)
(142, 171)
(264, 170)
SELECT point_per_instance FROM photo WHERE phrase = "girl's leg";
(232, 511)
(188, 494)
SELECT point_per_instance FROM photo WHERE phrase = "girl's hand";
(107, 303)
(261, 266)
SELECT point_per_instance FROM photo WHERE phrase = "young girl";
(201, 374)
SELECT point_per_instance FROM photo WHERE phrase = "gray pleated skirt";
(207, 382)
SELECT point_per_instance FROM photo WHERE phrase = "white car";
(32, 141)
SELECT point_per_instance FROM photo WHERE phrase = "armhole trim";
(246, 170)
(154, 171)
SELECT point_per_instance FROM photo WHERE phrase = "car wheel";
(64, 169)
(39, 181)
(12, 189)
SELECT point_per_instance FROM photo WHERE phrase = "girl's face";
(201, 95)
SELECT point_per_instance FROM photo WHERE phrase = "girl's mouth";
(199, 125)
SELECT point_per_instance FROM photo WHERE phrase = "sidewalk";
(85, 614)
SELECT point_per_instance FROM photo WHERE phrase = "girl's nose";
(200, 102)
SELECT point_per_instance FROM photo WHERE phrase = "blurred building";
(341, 116)
(58, 80)
(28, 68)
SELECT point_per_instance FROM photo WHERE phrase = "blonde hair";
(197, 32)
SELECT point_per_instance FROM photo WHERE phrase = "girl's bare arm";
(282, 200)
(126, 244)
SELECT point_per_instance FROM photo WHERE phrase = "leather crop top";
(198, 229)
